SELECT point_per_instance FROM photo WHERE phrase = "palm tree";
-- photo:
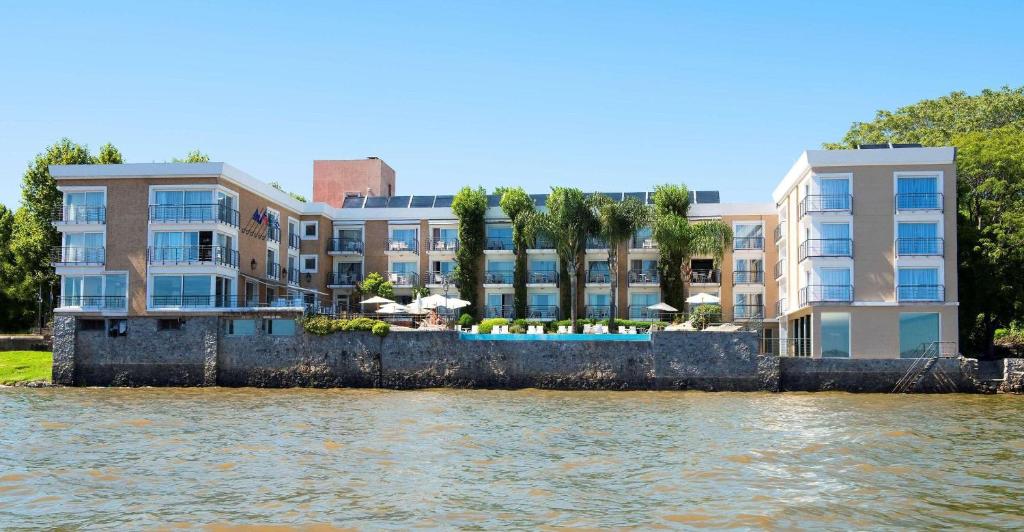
(519, 208)
(568, 220)
(617, 222)
(679, 240)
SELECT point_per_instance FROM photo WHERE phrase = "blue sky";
(604, 96)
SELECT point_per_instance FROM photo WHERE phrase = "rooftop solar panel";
(615, 196)
(539, 200)
(493, 200)
(422, 201)
(639, 196)
(376, 202)
(398, 202)
(707, 196)
(353, 202)
(443, 201)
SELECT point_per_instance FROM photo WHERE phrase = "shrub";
(318, 325)
(323, 325)
(1009, 342)
(380, 329)
(466, 320)
(358, 324)
(516, 328)
(705, 315)
(487, 325)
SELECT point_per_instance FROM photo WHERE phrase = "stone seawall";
(200, 355)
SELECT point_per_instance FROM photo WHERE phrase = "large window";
(918, 238)
(835, 334)
(83, 248)
(182, 291)
(918, 332)
(638, 303)
(918, 193)
(109, 291)
(748, 236)
(835, 194)
(84, 207)
(919, 284)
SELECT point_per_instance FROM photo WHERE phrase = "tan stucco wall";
(874, 331)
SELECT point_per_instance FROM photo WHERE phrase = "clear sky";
(605, 96)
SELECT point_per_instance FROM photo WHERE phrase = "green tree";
(109, 154)
(679, 240)
(470, 206)
(568, 221)
(298, 197)
(194, 156)
(376, 285)
(616, 224)
(12, 311)
(519, 207)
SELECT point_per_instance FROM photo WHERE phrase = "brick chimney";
(333, 181)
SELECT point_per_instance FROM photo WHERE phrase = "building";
(178, 239)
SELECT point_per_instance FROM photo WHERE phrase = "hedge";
(323, 325)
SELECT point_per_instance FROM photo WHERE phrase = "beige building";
(175, 239)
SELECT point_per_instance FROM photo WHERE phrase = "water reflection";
(527, 459)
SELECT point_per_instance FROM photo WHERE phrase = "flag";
(263, 219)
(256, 215)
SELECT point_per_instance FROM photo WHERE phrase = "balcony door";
(836, 284)
(83, 206)
(835, 194)
(836, 239)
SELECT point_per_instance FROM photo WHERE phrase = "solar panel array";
(540, 200)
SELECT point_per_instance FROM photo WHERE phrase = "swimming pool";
(645, 337)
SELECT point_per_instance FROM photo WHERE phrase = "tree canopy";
(470, 207)
(297, 197)
(194, 156)
(617, 222)
(519, 207)
(568, 221)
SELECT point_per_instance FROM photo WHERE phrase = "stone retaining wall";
(199, 354)
(24, 343)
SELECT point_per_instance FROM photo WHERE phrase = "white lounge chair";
(587, 329)
(562, 329)
(632, 329)
(475, 329)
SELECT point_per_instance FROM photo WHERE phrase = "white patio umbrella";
(416, 307)
(437, 300)
(702, 299)
(376, 300)
(391, 308)
(664, 307)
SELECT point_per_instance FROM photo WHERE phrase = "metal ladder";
(921, 367)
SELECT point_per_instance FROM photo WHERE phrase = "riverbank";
(20, 368)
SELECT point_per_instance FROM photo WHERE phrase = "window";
(919, 284)
(835, 194)
(90, 325)
(638, 303)
(309, 230)
(252, 294)
(748, 236)
(918, 332)
(169, 324)
(245, 327)
(835, 334)
(918, 239)
(309, 263)
(748, 306)
(918, 193)
(835, 285)
(182, 291)
(404, 235)
(279, 327)
(84, 207)
(117, 328)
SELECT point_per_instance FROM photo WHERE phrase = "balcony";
(643, 244)
(826, 247)
(293, 276)
(437, 245)
(293, 241)
(916, 247)
(343, 279)
(273, 271)
(920, 292)
(80, 214)
(499, 244)
(780, 268)
(642, 313)
(398, 246)
(498, 278)
(779, 233)
(403, 279)
(542, 312)
(747, 312)
(927, 201)
(598, 312)
(273, 234)
(542, 277)
(541, 244)
(440, 278)
(643, 278)
(598, 277)
(780, 308)
(95, 302)
(217, 255)
(78, 256)
(826, 293)
(195, 301)
(747, 277)
(499, 311)
(838, 203)
(344, 246)
(596, 244)
(706, 277)
(748, 242)
(199, 213)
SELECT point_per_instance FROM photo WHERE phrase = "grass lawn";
(22, 366)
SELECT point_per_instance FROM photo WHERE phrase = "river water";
(146, 458)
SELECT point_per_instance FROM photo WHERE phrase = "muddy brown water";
(152, 458)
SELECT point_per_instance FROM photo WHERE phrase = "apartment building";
(178, 239)
(866, 249)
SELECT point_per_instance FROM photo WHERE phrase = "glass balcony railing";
(826, 293)
(919, 201)
(219, 255)
(345, 246)
(95, 302)
(542, 277)
(80, 214)
(75, 255)
(748, 277)
(213, 212)
(344, 278)
(918, 246)
(643, 277)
